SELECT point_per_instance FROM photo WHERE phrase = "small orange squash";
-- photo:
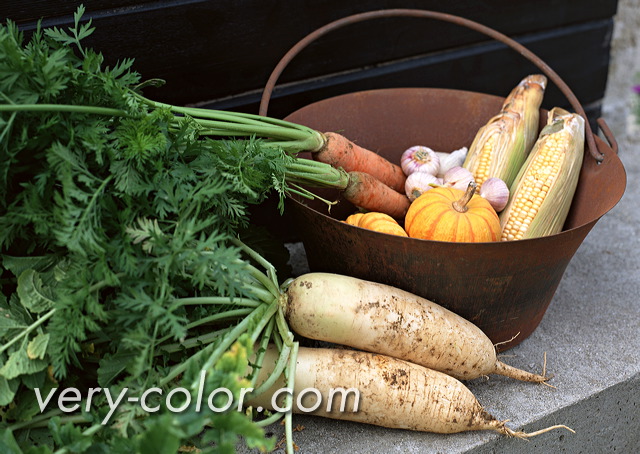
(354, 219)
(380, 222)
(449, 214)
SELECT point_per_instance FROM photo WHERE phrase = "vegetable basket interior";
(503, 287)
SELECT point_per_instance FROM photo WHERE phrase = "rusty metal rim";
(537, 61)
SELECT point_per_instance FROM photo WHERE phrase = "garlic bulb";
(496, 192)
(448, 160)
(457, 177)
(419, 159)
(418, 183)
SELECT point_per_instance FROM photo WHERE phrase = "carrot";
(387, 320)
(339, 151)
(366, 191)
(380, 390)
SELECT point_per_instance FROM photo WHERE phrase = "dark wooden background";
(220, 53)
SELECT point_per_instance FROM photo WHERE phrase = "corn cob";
(501, 146)
(543, 189)
(526, 99)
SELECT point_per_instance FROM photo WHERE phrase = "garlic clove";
(457, 177)
(419, 182)
(496, 192)
(448, 160)
(419, 159)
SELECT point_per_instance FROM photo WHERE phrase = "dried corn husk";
(543, 190)
(501, 146)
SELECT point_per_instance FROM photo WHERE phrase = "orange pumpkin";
(380, 222)
(449, 214)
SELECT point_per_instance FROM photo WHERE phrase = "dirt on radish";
(383, 391)
(383, 319)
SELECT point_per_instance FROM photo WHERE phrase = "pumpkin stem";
(461, 205)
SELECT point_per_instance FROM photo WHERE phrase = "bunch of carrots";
(375, 183)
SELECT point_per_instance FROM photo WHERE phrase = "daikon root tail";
(502, 428)
(519, 374)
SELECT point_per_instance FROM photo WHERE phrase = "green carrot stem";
(226, 128)
(191, 342)
(213, 300)
(93, 429)
(290, 373)
(28, 330)
(94, 199)
(75, 419)
(220, 316)
(219, 123)
(152, 352)
(295, 189)
(290, 146)
(285, 285)
(63, 108)
(319, 174)
(270, 420)
(229, 339)
(277, 340)
(271, 270)
(215, 350)
(7, 126)
(264, 280)
(275, 121)
(267, 318)
(279, 367)
(262, 294)
(32, 423)
(262, 350)
(238, 117)
(284, 128)
(104, 283)
(336, 179)
(180, 368)
(270, 281)
(312, 143)
(235, 117)
(283, 327)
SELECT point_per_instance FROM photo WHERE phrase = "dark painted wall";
(220, 53)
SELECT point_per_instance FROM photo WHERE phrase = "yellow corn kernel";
(497, 147)
(543, 189)
(482, 170)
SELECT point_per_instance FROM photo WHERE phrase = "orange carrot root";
(339, 151)
(366, 191)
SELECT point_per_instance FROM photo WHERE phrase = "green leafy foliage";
(111, 211)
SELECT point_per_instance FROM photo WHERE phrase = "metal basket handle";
(546, 69)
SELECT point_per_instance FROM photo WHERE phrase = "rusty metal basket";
(503, 287)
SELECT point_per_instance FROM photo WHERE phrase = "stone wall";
(620, 103)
